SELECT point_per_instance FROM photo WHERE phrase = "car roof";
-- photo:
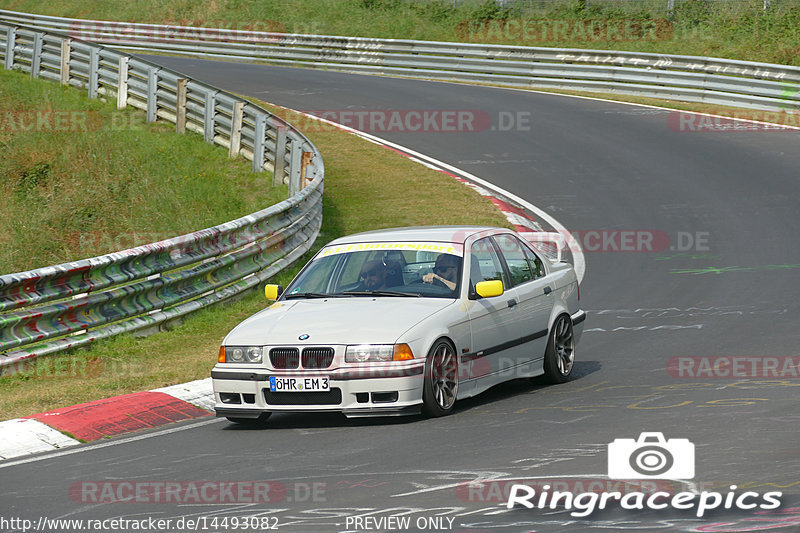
(416, 233)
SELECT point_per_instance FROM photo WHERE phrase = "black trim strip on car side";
(504, 370)
(580, 318)
(504, 346)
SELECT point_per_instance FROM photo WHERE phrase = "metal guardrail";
(49, 309)
(689, 78)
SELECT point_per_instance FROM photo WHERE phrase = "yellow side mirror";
(272, 292)
(488, 289)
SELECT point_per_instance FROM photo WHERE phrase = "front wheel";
(559, 357)
(441, 380)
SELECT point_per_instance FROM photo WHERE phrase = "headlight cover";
(377, 353)
(244, 354)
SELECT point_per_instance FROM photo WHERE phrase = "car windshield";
(390, 269)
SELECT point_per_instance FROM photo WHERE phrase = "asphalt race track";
(721, 280)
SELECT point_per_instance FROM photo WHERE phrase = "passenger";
(445, 272)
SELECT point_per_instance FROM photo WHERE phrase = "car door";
(492, 320)
(534, 294)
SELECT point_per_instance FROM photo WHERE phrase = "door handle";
(547, 290)
(512, 303)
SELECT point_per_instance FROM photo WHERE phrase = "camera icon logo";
(651, 456)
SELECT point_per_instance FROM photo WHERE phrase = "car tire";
(559, 357)
(260, 421)
(441, 380)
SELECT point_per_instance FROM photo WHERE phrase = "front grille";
(331, 397)
(317, 357)
(284, 357)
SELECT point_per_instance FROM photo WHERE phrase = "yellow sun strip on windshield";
(435, 247)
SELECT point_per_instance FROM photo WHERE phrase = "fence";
(49, 309)
(689, 78)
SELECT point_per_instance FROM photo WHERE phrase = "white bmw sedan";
(400, 321)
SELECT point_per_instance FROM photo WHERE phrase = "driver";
(445, 271)
(373, 275)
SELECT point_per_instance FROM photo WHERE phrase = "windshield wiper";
(307, 295)
(380, 293)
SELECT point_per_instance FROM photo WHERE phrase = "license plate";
(299, 384)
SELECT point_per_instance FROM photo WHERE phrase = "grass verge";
(80, 178)
(366, 187)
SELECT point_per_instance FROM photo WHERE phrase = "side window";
(514, 253)
(484, 263)
(537, 267)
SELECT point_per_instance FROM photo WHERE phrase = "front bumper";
(379, 390)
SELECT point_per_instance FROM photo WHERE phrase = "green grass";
(80, 178)
(733, 29)
(366, 187)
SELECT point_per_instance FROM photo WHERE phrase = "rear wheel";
(260, 421)
(441, 380)
(559, 358)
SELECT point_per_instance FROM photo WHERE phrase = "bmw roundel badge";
(303, 337)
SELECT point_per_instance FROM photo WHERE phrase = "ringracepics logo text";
(649, 457)
(586, 503)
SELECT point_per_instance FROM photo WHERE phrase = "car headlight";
(373, 353)
(243, 354)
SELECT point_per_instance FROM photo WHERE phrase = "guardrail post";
(36, 58)
(94, 61)
(180, 111)
(258, 143)
(152, 87)
(11, 37)
(122, 83)
(66, 50)
(236, 129)
(280, 156)
(294, 167)
(305, 161)
(208, 117)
